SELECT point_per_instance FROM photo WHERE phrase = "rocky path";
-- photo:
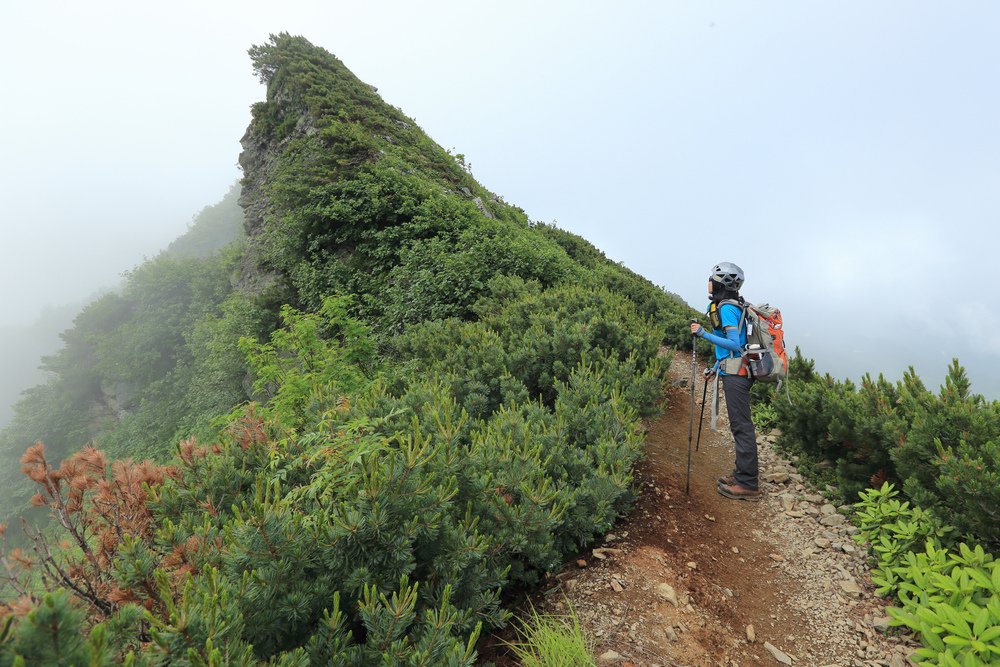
(699, 579)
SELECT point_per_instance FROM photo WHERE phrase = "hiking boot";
(739, 492)
(728, 480)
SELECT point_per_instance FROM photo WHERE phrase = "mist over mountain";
(21, 350)
(23, 346)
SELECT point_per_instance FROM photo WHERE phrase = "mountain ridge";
(412, 399)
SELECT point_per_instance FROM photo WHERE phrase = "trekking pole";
(694, 367)
(701, 419)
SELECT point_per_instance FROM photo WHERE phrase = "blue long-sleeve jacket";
(731, 338)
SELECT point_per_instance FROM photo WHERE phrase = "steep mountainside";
(344, 193)
(411, 399)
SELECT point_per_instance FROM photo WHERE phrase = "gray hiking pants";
(737, 389)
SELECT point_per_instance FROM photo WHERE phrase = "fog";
(846, 155)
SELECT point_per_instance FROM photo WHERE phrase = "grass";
(553, 641)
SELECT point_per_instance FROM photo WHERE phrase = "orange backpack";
(766, 355)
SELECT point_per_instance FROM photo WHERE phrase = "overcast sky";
(845, 154)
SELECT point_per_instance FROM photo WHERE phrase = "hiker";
(729, 336)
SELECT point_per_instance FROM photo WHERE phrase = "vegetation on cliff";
(411, 398)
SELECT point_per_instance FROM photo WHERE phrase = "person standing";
(729, 336)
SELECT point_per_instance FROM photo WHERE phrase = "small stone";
(751, 634)
(795, 514)
(736, 550)
(709, 517)
(778, 654)
(670, 633)
(833, 520)
(847, 548)
(827, 510)
(851, 588)
(616, 586)
(692, 565)
(881, 623)
(599, 554)
(787, 501)
(776, 477)
(581, 563)
(667, 592)
(778, 558)
(610, 537)
(610, 656)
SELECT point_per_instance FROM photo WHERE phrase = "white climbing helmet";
(727, 273)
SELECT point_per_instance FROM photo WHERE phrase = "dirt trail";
(683, 576)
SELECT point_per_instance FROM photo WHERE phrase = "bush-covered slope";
(444, 403)
(942, 449)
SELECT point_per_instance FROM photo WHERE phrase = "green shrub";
(764, 416)
(892, 529)
(547, 334)
(365, 508)
(943, 450)
(950, 597)
(471, 355)
(339, 516)
(949, 455)
(968, 486)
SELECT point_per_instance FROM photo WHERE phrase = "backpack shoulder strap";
(740, 303)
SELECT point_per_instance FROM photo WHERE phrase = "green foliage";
(53, 634)
(764, 416)
(944, 450)
(548, 333)
(893, 528)
(968, 485)
(439, 278)
(949, 456)
(462, 419)
(553, 641)
(310, 353)
(949, 597)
